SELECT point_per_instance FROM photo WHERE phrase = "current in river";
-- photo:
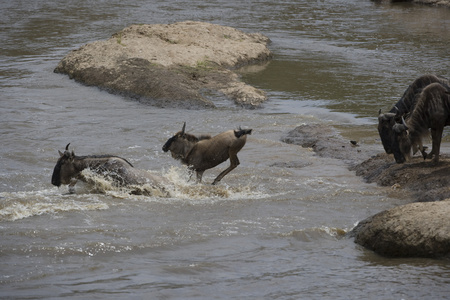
(273, 228)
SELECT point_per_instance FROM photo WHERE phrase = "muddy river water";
(272, 229)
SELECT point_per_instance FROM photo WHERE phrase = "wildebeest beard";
(56, 177)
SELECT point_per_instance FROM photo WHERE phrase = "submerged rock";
(175, 64)
(412, 230)
(326, 141)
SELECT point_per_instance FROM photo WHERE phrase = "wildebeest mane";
(426, 105)
(102, 156)
(193, 138)
(412, 93)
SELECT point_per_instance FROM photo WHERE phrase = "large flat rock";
(176, 64)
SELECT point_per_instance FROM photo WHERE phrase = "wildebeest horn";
(404, 123)
(184, 128)
(67, 147)
(397, 110)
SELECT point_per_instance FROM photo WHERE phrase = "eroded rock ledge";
(177, 64)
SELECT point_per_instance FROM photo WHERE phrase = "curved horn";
(379, 112)
(397, 113)
(67, 147)
(404, 123)
(184, 128)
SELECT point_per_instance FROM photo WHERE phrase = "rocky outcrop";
(445, 3)
(177, 64)
(423, 180)
(412, 230)
(326, 141)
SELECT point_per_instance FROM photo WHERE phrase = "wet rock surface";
(171, 65)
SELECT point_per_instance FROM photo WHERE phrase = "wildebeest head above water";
(68, 168)
(64, 169)
(206, 152)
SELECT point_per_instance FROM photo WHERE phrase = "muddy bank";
(177, 65)
(424, 180)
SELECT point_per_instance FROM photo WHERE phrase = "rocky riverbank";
(418, 229)
(176, 65)
(444, 3)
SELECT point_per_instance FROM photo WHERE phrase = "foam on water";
(19, 205)
(178, 186)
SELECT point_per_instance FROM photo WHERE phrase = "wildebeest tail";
(241, 132)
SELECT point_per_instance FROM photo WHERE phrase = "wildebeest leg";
(436, 136)
(234, 162)
(199, 175)
(422, 149)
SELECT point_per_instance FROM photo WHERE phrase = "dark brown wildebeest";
(69, 167)
(205, 152)
(432, 111)
(403, 107)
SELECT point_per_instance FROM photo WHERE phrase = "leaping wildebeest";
(205, 152)
(432, 111)
(69, 167)
(403, 108)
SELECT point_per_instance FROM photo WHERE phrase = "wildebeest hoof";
(424, 155)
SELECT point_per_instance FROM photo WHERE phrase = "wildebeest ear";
(60, 154)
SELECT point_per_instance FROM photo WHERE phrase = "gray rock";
(412, 230)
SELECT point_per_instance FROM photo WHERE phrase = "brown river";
(273, 228)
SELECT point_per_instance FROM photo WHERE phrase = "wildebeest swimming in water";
(205, 152)
(403, 108)
(432, 111)
(120, 171)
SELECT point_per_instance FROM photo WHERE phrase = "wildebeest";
(432, 111)
(120, 171)
(403, 108)
(205, 152)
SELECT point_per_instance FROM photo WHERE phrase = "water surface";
(273, 228)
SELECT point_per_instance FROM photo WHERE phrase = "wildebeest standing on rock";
(432, 111)
(69, 167)
(206, 152)
(403, 107)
